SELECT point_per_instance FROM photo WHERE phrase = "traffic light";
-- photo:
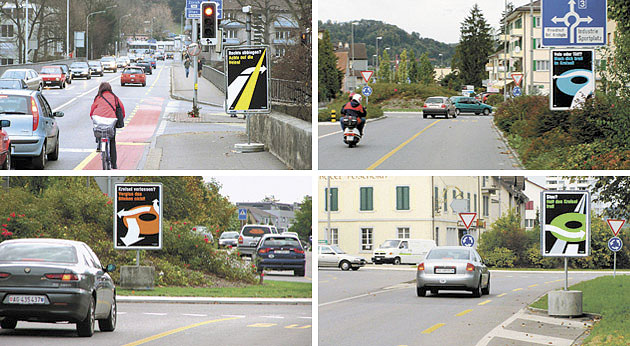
(209, 23)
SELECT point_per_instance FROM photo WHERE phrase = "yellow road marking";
(548, 282)
(501, 295)
(484, 303)
(177, 330)
(464, 312)
(85, 161)
(432, 329)
(291, 326)
(402, 145)
(534, 285)
(516, 289)
(304, 327)
(262, 325)
(559, 280)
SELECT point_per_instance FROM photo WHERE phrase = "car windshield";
(14, 104)
(229, 235)
(108, 59)
(434, 100)
(78, 65)
(50, 70)
(281, 242)
(255, 231)
(388, 244)
(337, 249)
(38, 252)
(95, 63)
(133, 71)
(10, 84)
(458, 254)
(14, 74)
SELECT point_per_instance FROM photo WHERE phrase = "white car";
(333, 256)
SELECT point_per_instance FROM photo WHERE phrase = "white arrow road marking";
(567, 234)
(133, 233)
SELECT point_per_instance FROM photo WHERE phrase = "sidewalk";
(214, 300)
(182, 88)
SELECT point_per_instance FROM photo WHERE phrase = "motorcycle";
(351, 134)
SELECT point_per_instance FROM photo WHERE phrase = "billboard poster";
(572, 78)
(247, 80)
(565, 223)
(138, 216)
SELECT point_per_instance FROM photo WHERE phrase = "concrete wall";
(286, 137)
(38, 66)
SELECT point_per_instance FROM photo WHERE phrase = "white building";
(559, 183)
(532, 207)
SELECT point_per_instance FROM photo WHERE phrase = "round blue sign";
(367, 91)
(615, 244)
(468, 240)
(516, 91)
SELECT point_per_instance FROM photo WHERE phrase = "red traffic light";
(208, 11)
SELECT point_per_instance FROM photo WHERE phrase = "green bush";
(499, 257)
(494, 100)
(373, 110)
(386, 91)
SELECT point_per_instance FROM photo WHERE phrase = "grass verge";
(270, 289)
(608, 297)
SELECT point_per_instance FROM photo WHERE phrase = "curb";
(183, 98)
(214, 300)
(584, 314)
(517, 159)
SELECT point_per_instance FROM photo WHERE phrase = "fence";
(37, 66)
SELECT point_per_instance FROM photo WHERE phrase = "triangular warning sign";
(367, 75)
(518, 78)
(467, 219)
(615, 225)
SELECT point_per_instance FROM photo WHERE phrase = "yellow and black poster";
(247, 78)
(138, 216)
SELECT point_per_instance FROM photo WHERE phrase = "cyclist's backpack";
(119, 113)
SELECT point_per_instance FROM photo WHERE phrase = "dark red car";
(133, 75)
(53, 75)
(5, 146)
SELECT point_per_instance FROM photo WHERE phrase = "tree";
(426, 73)
(329, 77)
(403, 67)
(413, 67)
(384, 72)
(506, 232)
(475, 45)
(303, 219)
(614, 191)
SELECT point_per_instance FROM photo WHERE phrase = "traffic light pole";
(195, 39)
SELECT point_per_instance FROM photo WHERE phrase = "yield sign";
(518, 78)
(615, 225)
(367, 75)
(467, 219)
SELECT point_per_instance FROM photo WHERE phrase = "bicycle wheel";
(105, 157)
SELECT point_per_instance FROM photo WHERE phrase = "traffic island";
(137, 277)
(565, 303)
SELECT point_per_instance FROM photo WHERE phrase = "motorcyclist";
(355, 108)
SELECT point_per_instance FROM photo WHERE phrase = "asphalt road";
(181, 324)
(407, 141)
(380, 306)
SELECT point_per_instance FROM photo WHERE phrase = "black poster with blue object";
(572, 78)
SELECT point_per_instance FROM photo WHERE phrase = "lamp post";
(67, 28)
(352, 64)
(375, 59)
(505, 42)
(87, 30)
(441, 60)
(388, 65)
(377, 53)
(119, 34)
(26, 35)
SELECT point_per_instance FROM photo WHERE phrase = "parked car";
(109, 64)
(249, 237)
(133, 75)
(55, 280)
(402, 250)
(465, 104)
(170, 55)
(13, 84)
(34, 131)
(66, 71)
(453, 268)
(333, 256)
(122, 62)
(96, 68)
(29, 76)
(204, 232)
(438, 105)
(80, 69)
(228, 239)
(280, 252)
(146, 66)
(5, 146)
(53, 76)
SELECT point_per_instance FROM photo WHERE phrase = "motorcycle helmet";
(357, 97)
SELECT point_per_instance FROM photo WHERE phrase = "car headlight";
(57, 79)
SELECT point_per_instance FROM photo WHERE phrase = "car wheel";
(8, 323)
(434, 291)
(457, 111)
(86, 327)
(486, 111)
(486, 290)
(89, 77)
(344, 265)
(63, 85)
(424, 115)
(122, 84)
(421, 291)
(477, 290)
(299, 272)
(144, 84)
(40, 87)
(397, 261)
(355, 268)
(109, 324)
(39, 161)
(55, 154)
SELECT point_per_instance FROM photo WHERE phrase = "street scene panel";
(155, 259)
(488, 85)
(472, 260)
(165, 66)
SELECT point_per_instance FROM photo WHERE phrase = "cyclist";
(105, 106)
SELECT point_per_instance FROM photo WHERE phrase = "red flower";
(184, 223)
(171, 228)
(179, 236)
(194, 228)
(10, 233)
(12, 215)
(8, 219)
(253, 265)
(109, 202)
(229, 246)
(196, 245)
(206, 239)
(22, 215)
(4, 225)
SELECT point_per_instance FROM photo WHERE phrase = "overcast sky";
(439, 20)
(287, 189)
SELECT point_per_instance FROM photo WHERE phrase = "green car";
(465, 104)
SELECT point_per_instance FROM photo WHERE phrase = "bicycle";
(104, 130)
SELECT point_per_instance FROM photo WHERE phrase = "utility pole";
(67, 29)
(26, 35)
(195, 39)
(530, 72)
(505, 41)
(329, 200)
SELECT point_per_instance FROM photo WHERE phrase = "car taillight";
(391, 253)
(470, 267)
(35, 113)
(263, 250)
(421, 267)
(4, 275)
(443, 106)
(424, 106)
(298, 250)
(240, 240)
(62, 277)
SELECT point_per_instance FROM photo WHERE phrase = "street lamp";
(87, 30)
(375, 60)
(442, 60)
(352, 64)
(119, 34)
(377, 39)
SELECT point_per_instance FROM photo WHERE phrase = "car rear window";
(10, 84)
(229, 235)
(282, 242)
(14, 104)
(51, 70)
(78, 65)
(458, 254)
(133, 71)
(434, 100)
(108, 59)
(38, 253)
(253, 231)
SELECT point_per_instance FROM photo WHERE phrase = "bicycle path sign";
(574, 23)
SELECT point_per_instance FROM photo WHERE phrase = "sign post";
(518, 78)
(367, 91)
(242, 215)
(467, 218)
(615, 244)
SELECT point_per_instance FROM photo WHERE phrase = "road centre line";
(485, 302)
(361, 296)
(81, 95)
(516, 289)
(262, 325)
(195, 315)
(433, 328)
(463, 312)
(402, 145)
(177, 330)
(501, 295)
(534, 285)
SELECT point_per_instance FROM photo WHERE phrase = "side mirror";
(58, 114)
(110, 268)
(5, 123)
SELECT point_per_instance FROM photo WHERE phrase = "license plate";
(133, 80)
(282, 251)
(253, 243)
(445, 270)
(27, 300)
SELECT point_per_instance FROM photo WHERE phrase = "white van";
(399, 251)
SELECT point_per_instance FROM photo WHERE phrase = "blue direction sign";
(367, 91)
(193, 9)
(517, 91)
(574, 23)
(242, 214)
(615, 244)
(468, 240)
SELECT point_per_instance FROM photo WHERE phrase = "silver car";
(29, 76)
(249, 237)
(228, 239)
(333, 256)
(453, 268)
(96, 68)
